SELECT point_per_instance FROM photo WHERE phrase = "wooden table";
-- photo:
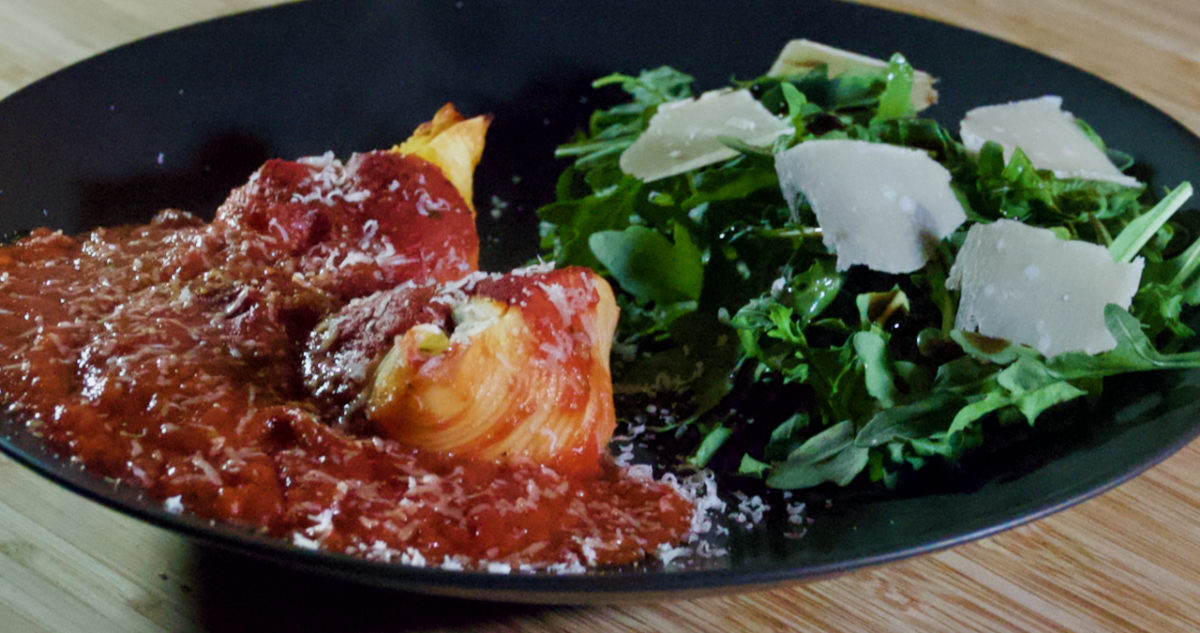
(1127, 561)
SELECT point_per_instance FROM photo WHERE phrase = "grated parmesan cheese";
(174, 505)
(299, 540)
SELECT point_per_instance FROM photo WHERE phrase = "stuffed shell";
(500, 367)
(452, 143)
(523, 373)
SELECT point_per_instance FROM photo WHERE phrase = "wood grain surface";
(1127, 561)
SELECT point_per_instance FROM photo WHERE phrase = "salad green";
(725, 290)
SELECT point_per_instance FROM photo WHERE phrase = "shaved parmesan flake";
(880, 205)
(684, 135)
(1026, 285)
(1047, 134)
(800, 56)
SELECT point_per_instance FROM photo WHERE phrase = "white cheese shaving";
(800, 56)
(1047, 134)
(880, 205)
(684, 135)
(1026, 285)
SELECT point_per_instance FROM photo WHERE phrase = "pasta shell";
(523, 375)
(452, 143)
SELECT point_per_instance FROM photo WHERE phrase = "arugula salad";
(753, 270)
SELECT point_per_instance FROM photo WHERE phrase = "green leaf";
(896, 100)
(1185, 265)
(648, 266)
(1033, 403)
(1017, 190)
(1026, 374)
(786, 437)
(813, 290)
(872, 352)
(1160, 307)
(878, 307)
(830, 455)
(751, 467)
(568, 224)
(992, 350)
(1134, 352)
(795, 105)
(993, 401)
(713, 440)
(1035, 388)
(878, 471)
(732, 183)
(839, 383)
(655, 86)
(912, 421)
(1131, 240)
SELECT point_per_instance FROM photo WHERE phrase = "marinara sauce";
(168, 356)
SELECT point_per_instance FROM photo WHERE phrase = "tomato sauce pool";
(168, 356)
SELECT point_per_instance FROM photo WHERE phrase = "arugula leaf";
(751, 467)
(1019, 191)
(912, 421)
(1134, 352)
(611, 131)
(787, 436)
(567, 225)
(656, 86)
(732, 183)
(1140, 231)
(830, 455)
(1032, 387)
(895, 100)
(649, 266)
(871, 349)
(713, 439)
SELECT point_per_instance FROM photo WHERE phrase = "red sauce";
(169, 356)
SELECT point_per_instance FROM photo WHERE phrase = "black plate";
(179, 119)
